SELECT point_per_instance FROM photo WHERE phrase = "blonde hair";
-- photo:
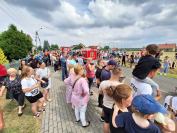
(70, 66)
(11, 70)
(78, 68)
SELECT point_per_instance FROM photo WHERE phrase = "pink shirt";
(89, 73)
(80, 87)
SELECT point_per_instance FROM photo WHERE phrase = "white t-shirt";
(43, 72)
(108, 101)
(140, 87)
(28, 83)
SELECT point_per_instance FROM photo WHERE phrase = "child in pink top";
(69, 83)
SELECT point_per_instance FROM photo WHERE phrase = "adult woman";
(22, 65)
(107, 99)
(90, 73)
(30, 87)
(80, 95)
(43, 75)
(14, 90)
(122, 95)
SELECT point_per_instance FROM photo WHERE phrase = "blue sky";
(117, 23)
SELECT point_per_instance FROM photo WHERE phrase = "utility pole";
(37, 38)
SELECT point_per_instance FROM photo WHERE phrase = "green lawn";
(14, 124)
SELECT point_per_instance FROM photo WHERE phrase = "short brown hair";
(152, 49)
(120, 92)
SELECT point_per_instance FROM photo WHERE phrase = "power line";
(8, 11)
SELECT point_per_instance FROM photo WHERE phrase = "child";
(145, 64)
(69, 83)
(144, 109)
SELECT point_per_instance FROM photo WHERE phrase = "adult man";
(106, 71)
(63, 60)
(106, 75)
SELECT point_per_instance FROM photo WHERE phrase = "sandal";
(42, 110)
(37, 114)
(88, 124)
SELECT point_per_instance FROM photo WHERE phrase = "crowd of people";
(32, 81)
(131, 108)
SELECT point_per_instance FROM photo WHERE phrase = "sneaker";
(20, 114)
(88, 124)
(102, 119)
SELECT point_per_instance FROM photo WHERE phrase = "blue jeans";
(64, 73)
(165, 69)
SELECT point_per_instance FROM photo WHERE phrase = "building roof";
(167, 46)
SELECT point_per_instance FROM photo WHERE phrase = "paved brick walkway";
(59, 116)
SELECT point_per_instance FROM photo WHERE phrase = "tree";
(3, 58)
(46, 45)
(79, 46)
(15, 44)
(106, 48)
(39, 48)
(54, 47)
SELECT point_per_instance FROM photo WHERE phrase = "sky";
(117, 23)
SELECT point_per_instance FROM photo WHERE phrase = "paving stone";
(59, 116)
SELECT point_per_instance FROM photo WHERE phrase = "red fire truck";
(89, 53)
(65, 49)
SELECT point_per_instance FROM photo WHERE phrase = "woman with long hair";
(30, 87)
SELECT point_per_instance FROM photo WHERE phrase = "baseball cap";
(146, 104)
(112, 62)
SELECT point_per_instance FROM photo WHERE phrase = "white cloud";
(66, 16)
(69, 22)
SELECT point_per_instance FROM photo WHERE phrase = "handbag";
(82, 94)
(46, 83)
